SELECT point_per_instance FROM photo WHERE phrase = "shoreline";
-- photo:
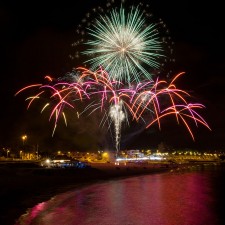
(24, 187)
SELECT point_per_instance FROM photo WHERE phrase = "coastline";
(23, 187)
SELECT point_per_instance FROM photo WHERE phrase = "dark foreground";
(25, 184)
(190, 196)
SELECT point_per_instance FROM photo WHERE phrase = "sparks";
(124, 45)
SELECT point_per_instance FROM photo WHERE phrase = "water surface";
(193, 197)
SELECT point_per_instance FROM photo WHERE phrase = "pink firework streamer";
(152, 100)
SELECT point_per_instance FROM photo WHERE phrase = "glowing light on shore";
(145, 158)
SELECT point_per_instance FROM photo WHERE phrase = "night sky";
(36, 41)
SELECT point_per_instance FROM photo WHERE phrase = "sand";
(23, 185)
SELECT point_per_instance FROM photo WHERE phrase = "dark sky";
(36, 40)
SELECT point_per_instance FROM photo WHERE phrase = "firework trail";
(117, 115)
(165, 99)
(58, 95)
(147, 101)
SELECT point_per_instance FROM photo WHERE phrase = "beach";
(24, 185)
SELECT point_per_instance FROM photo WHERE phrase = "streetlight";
(8, 153)
(24, 138)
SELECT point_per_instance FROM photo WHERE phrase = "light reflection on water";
(161, 199)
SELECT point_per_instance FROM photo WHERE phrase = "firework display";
(124, 45)
(119, 84)
(153, 99)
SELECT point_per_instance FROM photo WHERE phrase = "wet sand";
(23, 185)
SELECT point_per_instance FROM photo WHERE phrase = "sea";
(193, 196)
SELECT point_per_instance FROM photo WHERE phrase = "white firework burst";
(124, 45)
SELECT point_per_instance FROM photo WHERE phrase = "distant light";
(140, 158)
